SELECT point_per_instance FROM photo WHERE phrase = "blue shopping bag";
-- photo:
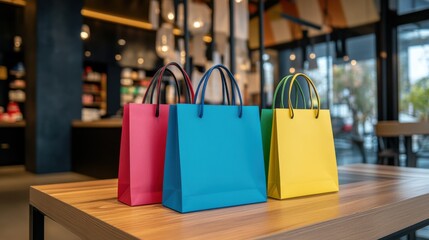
(214, 155)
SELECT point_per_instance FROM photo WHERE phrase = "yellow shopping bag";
(302, 154)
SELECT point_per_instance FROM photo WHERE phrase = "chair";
(423, 151)
(384, 154)
(359, 142)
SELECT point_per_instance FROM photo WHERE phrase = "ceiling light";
(84, 33)
(346, 58)
(122, 42)
(170, 16)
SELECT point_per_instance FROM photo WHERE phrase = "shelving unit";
(16, 92)
(94, 96)
(17, 85)
(134, 83)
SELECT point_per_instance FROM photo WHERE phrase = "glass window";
(346, 81)
(354, 86)
(353, 109)
(413, 61)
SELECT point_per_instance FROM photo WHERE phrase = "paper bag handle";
(310, 93)
(234, 86)
(161, 74)
(282, 84)
(153, 83)
(310, 82)
(224, 88)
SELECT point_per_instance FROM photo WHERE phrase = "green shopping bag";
(267, 115)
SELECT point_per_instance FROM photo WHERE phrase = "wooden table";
(405, 129)
(373, 202)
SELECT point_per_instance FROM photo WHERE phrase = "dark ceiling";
(134, 9)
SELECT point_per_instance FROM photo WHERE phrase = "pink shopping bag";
(143, 140)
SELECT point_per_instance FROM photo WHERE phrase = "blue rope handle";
(234, 86)
(224, 88)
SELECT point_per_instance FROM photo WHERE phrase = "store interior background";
(70, 65)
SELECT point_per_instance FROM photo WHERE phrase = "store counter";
(12, 124)
(104, 123)
(12, 143)
(95, 147)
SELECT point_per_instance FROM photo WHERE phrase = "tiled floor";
(15, 182)
(14, 185)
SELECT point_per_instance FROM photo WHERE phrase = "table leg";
(411, 160)
(37, 224)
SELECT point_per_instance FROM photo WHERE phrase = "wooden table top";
(373, 201)
(395, 128)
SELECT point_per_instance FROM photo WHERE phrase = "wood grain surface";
(373, 202)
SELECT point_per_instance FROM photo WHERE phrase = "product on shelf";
(17, 95)
(13, 113)
(90, 114)
(133, 85)
(94, 93)
(3, 73)
(17, 84)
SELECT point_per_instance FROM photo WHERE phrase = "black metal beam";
(267, 5)
(211, 45)
(387, 71)
(232, 36)
(186, 34)
(261, 53)
(301, 21)
(412, 17)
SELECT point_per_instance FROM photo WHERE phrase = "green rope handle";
(282, 84)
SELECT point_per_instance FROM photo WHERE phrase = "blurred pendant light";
(122, 42)
(292, 56)
(199, 18)
(168, 10)
(17, 42)
(312, 61)
(154, 14)
(165, 40)
(180, 17)
(181, 49)
(84, 32)
(312, 54)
